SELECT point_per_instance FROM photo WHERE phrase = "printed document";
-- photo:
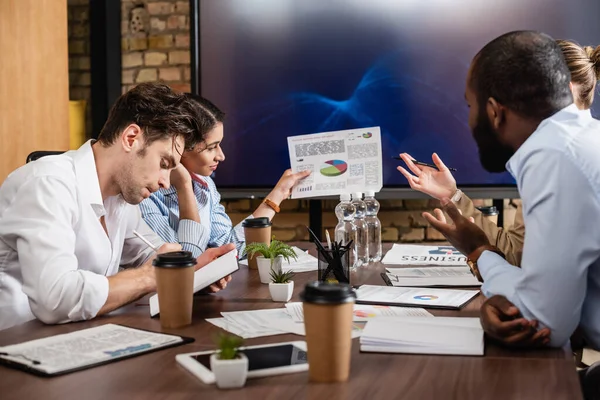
(364, 312)
(84, 348)
(410, 254)
(431, 276)
(439, 335)
(341, 162)
(420, 297)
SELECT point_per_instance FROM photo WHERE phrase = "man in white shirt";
(522, 118)
(67, 221)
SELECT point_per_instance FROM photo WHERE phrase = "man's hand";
(502, 321)
(210, 255)
(464, 234)
(147, 268)
(286, 183)
(180, 177)
(437, 183)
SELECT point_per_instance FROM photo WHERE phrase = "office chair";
(590, 381)
(41, 153)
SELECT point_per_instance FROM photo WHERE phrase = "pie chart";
(333, 168)
(426, 297)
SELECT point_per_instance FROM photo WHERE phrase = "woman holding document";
(584, 65)
(189, 212)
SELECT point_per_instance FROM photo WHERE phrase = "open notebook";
(439, 335)
(70, 352)
(206, 276)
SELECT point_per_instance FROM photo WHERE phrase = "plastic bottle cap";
(345, 197)
(357, 196)
(370, 193)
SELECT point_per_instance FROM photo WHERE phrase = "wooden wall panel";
(34, 80)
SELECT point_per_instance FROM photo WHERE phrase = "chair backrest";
(590, 382)
(40, 153)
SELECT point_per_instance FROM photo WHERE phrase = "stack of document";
(304, 263)
(431, 277)
(410, 254)
(440, 335)
(279, 321)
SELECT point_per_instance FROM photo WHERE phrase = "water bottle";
(373, 226)
(345, 231)
(362, 245)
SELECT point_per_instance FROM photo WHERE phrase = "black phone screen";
(266, 357)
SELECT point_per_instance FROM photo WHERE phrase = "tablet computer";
(263, 360)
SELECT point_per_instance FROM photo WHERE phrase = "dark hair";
(524, 71)
(584, 64)
(211, 115)
(160, 112)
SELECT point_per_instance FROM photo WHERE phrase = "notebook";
(70, 352)
(439, 335)
(414, 297)
(430, 277)
(206, 276)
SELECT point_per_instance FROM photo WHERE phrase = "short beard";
(493, 155)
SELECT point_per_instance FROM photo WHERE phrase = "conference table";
(501, 374)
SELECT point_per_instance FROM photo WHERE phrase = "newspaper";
(86, 347)
(341, 162)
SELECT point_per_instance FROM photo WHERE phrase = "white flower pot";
(264, 267)
(229, 374)
(281, 291)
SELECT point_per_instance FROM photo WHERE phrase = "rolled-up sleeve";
(45, 241)
(551, 284)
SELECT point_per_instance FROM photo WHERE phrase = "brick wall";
(155, 43)
(155, 46)
(79, 55)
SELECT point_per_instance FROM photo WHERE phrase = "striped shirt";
(161, 213)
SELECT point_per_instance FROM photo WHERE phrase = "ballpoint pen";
(425, 164)
(143, 239)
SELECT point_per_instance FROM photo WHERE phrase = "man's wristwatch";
(474, 256)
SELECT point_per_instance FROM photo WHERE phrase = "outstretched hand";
(437, 183)
(462, 234)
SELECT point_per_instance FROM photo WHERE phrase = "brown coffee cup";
(328, 311)
(256, 230)
(174, 273)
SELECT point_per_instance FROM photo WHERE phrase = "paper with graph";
(340, 162)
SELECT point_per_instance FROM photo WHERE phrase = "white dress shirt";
(54, 253)
(558, 174)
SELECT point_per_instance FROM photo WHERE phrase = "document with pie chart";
(340, 162)
(414, 297)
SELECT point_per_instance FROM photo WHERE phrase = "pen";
(425, 164)
(328, 239)
(143, 239)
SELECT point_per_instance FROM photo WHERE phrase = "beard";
(493, 154)
(130, 189)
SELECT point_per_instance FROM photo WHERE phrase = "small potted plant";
(228, 364)
(281, 286)
(271, 257)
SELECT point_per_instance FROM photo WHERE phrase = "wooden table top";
(501, 374)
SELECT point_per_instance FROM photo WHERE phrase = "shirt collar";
(87, 177)
(199, 179)
(568, 113)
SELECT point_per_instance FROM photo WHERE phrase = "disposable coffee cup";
(491, 213)
(328, 324)
(256, 230)
(174, 273)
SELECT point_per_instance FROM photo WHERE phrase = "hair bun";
(594, 56)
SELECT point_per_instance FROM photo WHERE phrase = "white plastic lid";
(345, 197)
(369, 193)
(357, 196)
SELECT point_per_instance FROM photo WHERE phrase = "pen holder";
(337, 270)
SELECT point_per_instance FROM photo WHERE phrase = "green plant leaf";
(228, 345)
(281, 277)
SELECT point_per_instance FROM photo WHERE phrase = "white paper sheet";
(341, 162)
(363, 312)
(432, 276)
(422, 297)
(409, 254)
